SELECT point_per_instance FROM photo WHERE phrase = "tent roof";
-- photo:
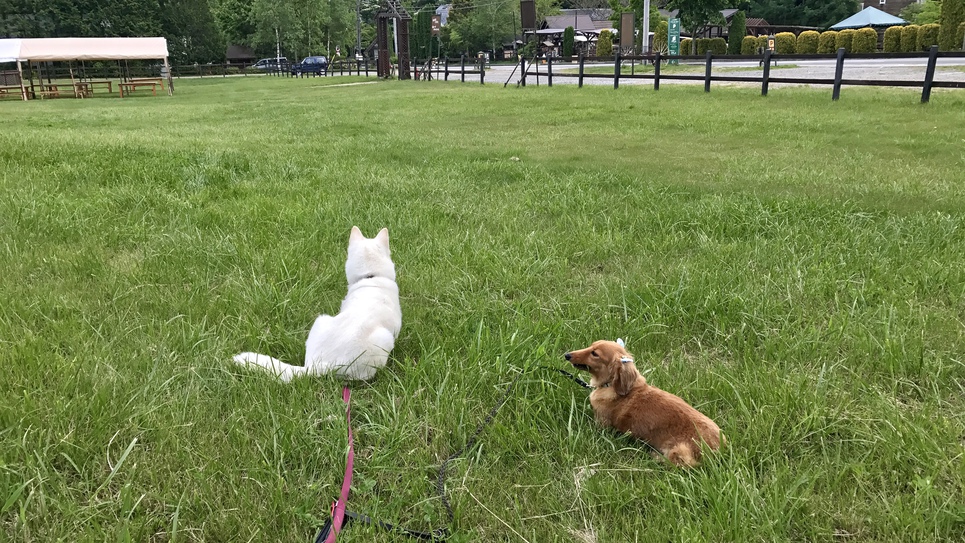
(82, 49)
(869, 16)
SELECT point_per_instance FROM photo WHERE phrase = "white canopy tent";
(21, 50)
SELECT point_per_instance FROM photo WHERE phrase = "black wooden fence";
(532, 69)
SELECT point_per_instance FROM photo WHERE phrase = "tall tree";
(697, 15)
(817, 13)
(190, 29)
(953, 15)
(233, 18)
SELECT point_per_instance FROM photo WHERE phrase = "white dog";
(357, 341)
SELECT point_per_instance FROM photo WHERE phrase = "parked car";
(311, 65)
(271, 64)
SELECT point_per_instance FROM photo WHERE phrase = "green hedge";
(685, 46)
(660, 37)
(762, 42)
(892, 42)
(865, 41)
(807, 43)
(953, 16)
(909, 39)
(785, 43)
(827, 41)
(749, 45)
(604, 44)
(927, 36)
(844, 39)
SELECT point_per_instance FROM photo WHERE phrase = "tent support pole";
(167, 69)
(23, 89)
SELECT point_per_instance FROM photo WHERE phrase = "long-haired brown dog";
(623, 400)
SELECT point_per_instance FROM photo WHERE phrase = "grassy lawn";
(792, 266)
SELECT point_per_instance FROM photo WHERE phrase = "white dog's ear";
(383, 238)
(356, 235)
(621, 343)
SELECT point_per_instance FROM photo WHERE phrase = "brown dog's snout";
(568, 356)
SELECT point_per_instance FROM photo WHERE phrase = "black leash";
(442, 533)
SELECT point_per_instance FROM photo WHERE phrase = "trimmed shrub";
(909, 39)
(865, 41)
(953, 16)
(785, 43)
(686, 45)
(827, 41)
(568, 38)
(718, 46)
(762, 42)
(749, 45)
(892, 42)
(604, 44)
(927, 36)
(844, 39)
(807, 43)
(736, 33)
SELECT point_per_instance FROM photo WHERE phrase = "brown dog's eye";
(593, 353)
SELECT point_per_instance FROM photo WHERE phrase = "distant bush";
(865, 41)
(568, 39)
(892, 42)
(927, 36)
(749, 45)
(604, 44)
(785, 43)
(844, 39)
(762, 42)
(807, 43)
(685, 46)
(660, 37)
(909, 39)
(827, 41)
(717, 46)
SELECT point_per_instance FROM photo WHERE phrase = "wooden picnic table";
(49, 90)
(132, 85)
(101, 83)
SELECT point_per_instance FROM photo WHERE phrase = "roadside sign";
(436, 24)
(770, 43)
(673, 38)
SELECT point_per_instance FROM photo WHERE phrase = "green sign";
(673, 38)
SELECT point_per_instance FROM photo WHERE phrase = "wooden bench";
(48, 91)
(132, 85)
(158, 80)
(10, 89)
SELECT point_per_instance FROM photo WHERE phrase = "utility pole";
(646, 27)
(358, 28)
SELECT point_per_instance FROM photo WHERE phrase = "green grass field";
(792, 266)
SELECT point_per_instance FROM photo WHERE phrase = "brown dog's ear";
(626, 375)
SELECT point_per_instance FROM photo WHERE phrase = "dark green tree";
(953, 15)
(568, 36)
(420, 35)
(819, 13)
(736, 33)
(190, 29)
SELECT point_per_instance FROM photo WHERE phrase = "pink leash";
(338, 508)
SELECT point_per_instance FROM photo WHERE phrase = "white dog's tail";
(283, 371)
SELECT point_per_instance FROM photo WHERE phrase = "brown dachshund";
(623, 400)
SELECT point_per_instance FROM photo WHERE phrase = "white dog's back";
(357, 341)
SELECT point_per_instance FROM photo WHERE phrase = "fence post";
(767, 71)
(522, 68)
(838, 71)
(709, 62)
(446, 75)
(929, 74)
(549, 71)
(463, 69)
(482, 71)
(581, 71)
(656, 71)
(616, 70)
